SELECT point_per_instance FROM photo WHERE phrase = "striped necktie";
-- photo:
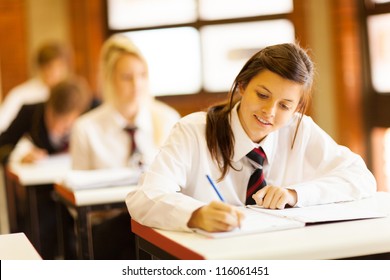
(131, 131)
(256, 181)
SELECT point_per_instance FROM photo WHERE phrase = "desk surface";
(94, 196)
(324, 241)
(47, 171)
(16, 246)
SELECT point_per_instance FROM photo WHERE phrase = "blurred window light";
(173, 57)
(379, 45)
(223, 57)
(381, 1)
(211, 9)
(386, 159)
(128, 14)
(187, 49)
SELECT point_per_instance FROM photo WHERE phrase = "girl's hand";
(216, 216)
(275, 197)
(33, 155)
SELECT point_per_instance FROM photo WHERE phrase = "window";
(221, 52)
(211, 9)
(379, 43)
(194, 46)
(174, 65)
(130, 14)
(376, 30)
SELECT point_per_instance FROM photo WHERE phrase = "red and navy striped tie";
(256, 181)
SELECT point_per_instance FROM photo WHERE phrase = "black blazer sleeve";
(20, 126)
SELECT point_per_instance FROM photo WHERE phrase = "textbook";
(258, 219)
(100, 178)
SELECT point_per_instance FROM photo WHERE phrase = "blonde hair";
(113, 49)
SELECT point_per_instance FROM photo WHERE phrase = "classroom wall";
(13, 55)
(46, 20)
(321, 42)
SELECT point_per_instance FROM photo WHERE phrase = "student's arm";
(34, 154)
(216, 217)
(164, 118)
(79, 147)
(166, 197)
(18, 127)
(9, 109)
(337, 174)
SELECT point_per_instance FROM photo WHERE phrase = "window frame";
(188, 103)
(376, 103)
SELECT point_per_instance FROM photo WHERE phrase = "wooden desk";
(31, 208)
(16, 246)
(85, 203)
(324, 241)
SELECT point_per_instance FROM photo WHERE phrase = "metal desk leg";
(84, 234)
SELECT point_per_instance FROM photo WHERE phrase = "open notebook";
(258, 219)
(100, 178)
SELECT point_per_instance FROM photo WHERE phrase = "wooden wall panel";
(87, 20)
(13, 50)
(348, 75)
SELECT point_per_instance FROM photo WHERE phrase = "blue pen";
(220, 197)
(215, 188)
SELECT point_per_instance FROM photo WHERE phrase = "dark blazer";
(30, 122)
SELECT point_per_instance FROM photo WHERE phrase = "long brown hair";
(289, 61)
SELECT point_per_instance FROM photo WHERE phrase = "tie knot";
(131, 130)
(257, 155)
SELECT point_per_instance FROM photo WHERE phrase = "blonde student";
(124, 131)
(128, 127)
(258, 147)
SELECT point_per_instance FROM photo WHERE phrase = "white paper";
(323, 213)
(259, 219)
(255, 222)
(99, 178)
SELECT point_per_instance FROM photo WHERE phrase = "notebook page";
(323, 213)
(255, 222)
(100, 178)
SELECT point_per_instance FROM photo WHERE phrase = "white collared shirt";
(98, 138)
(175, 185)
(29, 92)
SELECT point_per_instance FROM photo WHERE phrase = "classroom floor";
(4, 227)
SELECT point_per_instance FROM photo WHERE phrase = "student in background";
(47, 124)
(53, 61)
(124, 131)
(102, 137)
(300, 163)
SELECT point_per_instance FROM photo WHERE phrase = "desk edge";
(164, 243)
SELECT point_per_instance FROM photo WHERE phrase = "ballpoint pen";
(215, 188)
(220, 196)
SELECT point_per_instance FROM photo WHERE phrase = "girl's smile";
(268, 102)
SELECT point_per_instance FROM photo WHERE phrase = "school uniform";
(317, 168)
(30, 92)
(99, 139)
(30, 122)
